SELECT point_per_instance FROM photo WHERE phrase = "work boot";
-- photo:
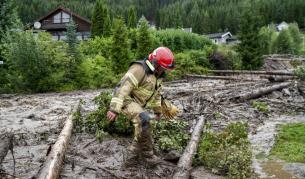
(151, 159)
(132, 158)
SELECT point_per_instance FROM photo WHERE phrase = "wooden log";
(53, 164)
(219, 77)
(6, 144)
(185, 162)
(260, 91)
(279, 72)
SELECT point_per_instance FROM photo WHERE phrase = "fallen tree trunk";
(287, 73)
(6, 144)
(261, 91)
(53, 164)
(219, 77)
(185, 162)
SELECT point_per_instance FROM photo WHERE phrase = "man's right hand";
(111, 116)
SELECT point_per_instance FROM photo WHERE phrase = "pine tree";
(120, 51)
(101, 23)
(144, 39)
(248, 47)
(72, 39)
(132, 17)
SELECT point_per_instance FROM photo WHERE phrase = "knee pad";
(145, 118)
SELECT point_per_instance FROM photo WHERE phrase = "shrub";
(193, 61)
(300, 72)
(36, 64)
(95, 73)
(179, 40)
(261, 106)
(225, 57)
(170, 134)
(97, 122)
(227, 152)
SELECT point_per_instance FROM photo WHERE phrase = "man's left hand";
(158, 116)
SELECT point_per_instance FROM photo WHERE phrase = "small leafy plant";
(227, 152)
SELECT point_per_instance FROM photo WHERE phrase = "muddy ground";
(36, 121)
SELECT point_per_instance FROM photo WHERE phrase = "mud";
(36, 121)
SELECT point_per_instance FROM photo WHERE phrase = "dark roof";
(218, 35)
(65, 10)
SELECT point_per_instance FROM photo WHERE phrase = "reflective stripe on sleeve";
(117, 100)
(133, 79)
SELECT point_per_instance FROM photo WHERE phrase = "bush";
(96, 122)
(193, 61)
(36, 64)
(224, 58)
(300, 72)
(97, 46)
(179, 40)
(95, 73)
(170, 135)
(261, 106)
(228, 152)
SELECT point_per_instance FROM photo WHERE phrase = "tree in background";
(248, 47)
(120, 51)
(72, 51)
(36, 64)
(72, 40)
(297, 39)
(283, 43)
(101, 23)
(132, 17)
(144, 39)
(266, 36)
(9, 22)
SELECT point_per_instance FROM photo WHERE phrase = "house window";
(61, 17)
(56, 18)
(65, 17)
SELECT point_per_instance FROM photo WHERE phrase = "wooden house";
(55, 22)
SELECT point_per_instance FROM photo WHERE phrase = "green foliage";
(297, 39)
(101, 23)
(96, 122)
(95, 73)
(132, 17)
(120, 50)
(248, 47)
(96, 46)
(225, 57)
(266, 36)
(261, 106)
(72, 40)
(214, 16)
(144, 39)
(179, 40)
(283, 43)
(300, 72)
(290, 143)
(35, 64)
(191, 62)
(228, 152)
(170, 134)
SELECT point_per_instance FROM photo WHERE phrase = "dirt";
(36, 121)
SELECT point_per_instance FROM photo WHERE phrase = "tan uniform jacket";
(139, 85)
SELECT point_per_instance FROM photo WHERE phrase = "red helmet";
(162, 56)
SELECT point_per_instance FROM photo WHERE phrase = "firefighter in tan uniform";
(137, 91)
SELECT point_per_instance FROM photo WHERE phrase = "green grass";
(290, 143)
